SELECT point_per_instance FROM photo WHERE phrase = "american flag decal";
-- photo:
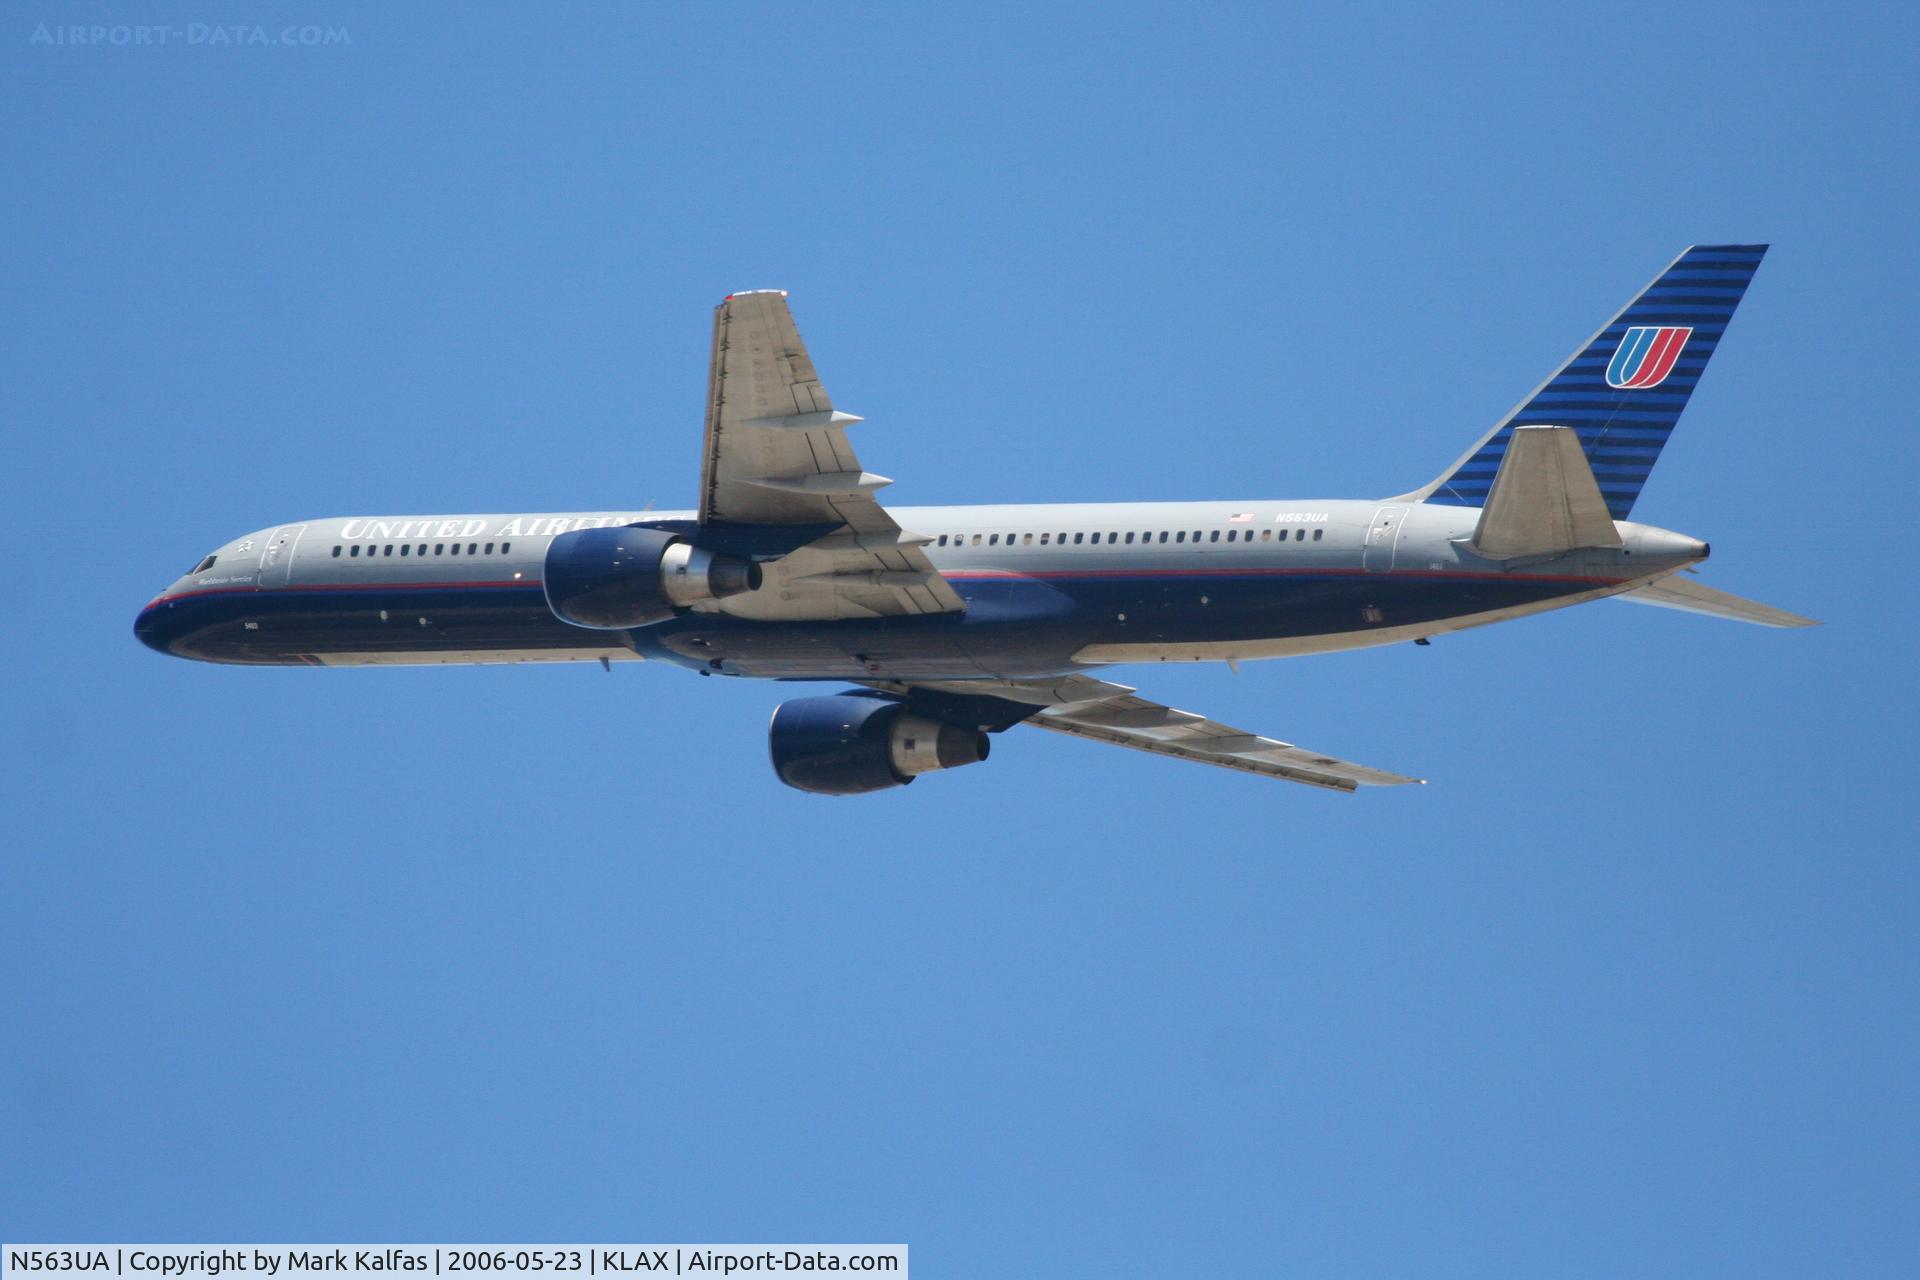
(1240, 517)
(1645, 356)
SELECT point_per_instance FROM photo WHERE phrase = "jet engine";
(618, 578)
(848, 744)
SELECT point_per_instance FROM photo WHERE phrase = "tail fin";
(1623, 390)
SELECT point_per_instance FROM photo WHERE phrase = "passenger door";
(1382, 534)
(276, 562)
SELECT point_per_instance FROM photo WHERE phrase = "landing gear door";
(1382, 535)
(276, 562)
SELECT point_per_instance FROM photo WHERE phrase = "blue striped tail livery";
(1622, 391)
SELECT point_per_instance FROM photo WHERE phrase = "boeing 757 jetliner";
(955, 623)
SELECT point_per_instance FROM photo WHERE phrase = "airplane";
(956, 623)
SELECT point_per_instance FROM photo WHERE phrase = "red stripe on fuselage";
(960, 575)
(343, 586)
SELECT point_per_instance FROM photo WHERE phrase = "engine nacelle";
(615, 579)
(848, 744)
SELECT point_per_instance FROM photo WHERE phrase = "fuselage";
(1049, 589)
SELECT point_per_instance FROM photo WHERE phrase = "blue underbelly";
(1013, 626)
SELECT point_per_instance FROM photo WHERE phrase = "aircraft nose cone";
(149, 631)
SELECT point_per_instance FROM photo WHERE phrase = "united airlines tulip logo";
(1645, 356)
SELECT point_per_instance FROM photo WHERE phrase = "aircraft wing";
(777, 453)
(1113, 713)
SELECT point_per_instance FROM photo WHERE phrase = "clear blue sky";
(1630, 989)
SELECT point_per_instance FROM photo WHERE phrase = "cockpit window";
(203, 566)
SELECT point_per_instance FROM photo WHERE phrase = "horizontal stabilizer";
(1545, 501)
(1684, 593)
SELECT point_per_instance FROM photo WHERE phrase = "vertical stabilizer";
(1623, 390)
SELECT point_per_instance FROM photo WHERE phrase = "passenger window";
(993, 539)
(1317, 533)
(1129, 539)
(489, 548)
(1214, 536)
(1163, 535)
(1078, 538)
(505, 547)
(1063, 539)
(336, 555)
(1112, 538)
(1026, 539)
(454, 549)
(406, 547)
(355, 551)
(1266, 535)
(473, 548)
(943, 540)
(1233, 535)
(1180, 536)
(387, 550)
(439, 547)
(1044, 538)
